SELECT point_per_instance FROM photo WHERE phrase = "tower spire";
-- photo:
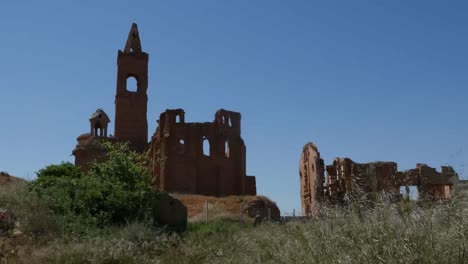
(133, 41)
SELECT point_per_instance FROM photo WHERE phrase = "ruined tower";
(131, 104)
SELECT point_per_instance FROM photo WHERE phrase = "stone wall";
(88, 150)
(347, 179)
(131, 123)
(182, 165)
(311, 172)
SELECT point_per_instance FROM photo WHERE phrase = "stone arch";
(131, 83)
(226, 149)
(206, 147)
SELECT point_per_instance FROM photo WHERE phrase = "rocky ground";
(6, 179)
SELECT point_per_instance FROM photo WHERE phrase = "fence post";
(294, 212)
(269, 214)
(206, 212)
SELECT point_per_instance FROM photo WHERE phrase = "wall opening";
(181, 146)
(177, 118)
(206, 147)
(226, 149)
(132, 84)
(98, 130)
(409, 192)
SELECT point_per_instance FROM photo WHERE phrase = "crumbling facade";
(346, 179)
(181, 164)
(177, 160)
(311, 172)
(431, 184)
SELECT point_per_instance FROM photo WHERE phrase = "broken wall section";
(432, 185)
(201, 158)
(311, 172)
(346, 180)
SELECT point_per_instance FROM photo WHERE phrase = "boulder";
(258, 207)
(170, 212)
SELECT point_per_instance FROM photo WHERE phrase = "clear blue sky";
(371, 80)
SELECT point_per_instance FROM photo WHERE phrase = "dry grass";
(386, 233)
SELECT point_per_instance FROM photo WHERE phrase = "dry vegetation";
(398, 233)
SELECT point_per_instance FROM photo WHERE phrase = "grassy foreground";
(398, 233)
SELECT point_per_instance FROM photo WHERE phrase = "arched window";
(132, 84)
(98, 129)
(206, 147)
(226, 149)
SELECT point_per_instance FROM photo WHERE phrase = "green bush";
(112, 192)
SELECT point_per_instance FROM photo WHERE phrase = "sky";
(370, 80)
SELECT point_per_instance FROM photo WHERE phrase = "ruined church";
(177, 160)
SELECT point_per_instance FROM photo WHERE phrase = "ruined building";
(346, 178)
(177, 160)
(180, 164)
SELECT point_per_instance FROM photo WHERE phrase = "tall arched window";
(132, 84)
(226, 149)
(206, 147)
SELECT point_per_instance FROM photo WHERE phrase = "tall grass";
(405, 232)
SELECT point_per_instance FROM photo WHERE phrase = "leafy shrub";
(112, 192)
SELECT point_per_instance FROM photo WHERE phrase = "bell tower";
(131, 123)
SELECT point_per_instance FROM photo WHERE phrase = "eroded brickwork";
(131, 124)
(177, 159)
(181, 164)
(311, 172)
(431, 184)
(347, 179)
(89, 148)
